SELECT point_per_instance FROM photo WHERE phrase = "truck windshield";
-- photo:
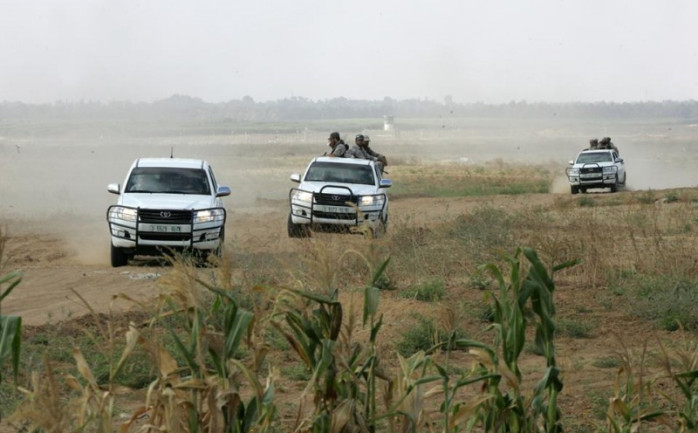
(341, 173)
(168, 180)
(586, 158)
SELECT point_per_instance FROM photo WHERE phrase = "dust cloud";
(57, 186)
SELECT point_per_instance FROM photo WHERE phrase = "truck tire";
(614, 187)
(204, 255)
(574, 189)
(118, 257)
(297, 230)
(218, 252)
(379, 230)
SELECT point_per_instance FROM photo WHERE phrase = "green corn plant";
(314, 335)
(345, 373)
(525, 290)
(88, 407)
(10, 326)
(632, 405)
(685, 412)
(202, 391)
(406, 394)
(370, 368)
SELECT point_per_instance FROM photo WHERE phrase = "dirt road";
(53, 201)
(55, 270)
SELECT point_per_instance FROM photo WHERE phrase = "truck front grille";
(165, 216)
(335, 199)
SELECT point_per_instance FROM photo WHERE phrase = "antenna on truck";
(172, 152)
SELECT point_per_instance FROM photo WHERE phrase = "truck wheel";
(297, 230)
(614, 187)
(218, 252)
(574, 189)
(118, 257)
(378, 230)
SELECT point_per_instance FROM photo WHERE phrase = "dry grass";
(631, 248)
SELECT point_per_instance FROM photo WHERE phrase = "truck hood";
(594, 164)
(167, 201)
(356, 189)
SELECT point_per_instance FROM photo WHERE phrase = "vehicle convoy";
(598, 168)
(344, 195)
(167, 204)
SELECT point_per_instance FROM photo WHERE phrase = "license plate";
(163, 228)
(589, 175)
(334, 209)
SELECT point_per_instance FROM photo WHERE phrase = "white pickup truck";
(597, 168)
(167, 204)
(343, 195)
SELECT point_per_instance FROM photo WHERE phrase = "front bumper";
(150, 230)
(336, 209)
(594, 177)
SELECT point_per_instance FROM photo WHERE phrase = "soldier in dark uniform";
(593, 144)
(362, 151)
(606, 143)
(380, 157)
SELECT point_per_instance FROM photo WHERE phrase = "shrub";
(574, 328)
(671, 197)
(297, 371)
(428, 292)
(671, 301)
(609, 362)
(426, 335)
(585, 201)
(647, 197)
(421, 336)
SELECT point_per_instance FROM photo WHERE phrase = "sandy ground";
(58, 277)
(56, 273)
(53, 201)
(53, 197)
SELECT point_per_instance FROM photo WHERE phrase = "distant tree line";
(299, 109)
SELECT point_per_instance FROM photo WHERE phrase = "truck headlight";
(208, 215)
(300, 195)
(610, 169)
(124, 213)
(372, 200)
(573, 172)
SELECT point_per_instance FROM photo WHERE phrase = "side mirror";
(223, 191)
(619, 160)
(295, 177)
(114, 188)
(386, 183)
(571, 162)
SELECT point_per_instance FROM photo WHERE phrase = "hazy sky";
(491, 51)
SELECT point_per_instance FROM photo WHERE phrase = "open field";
(636, 280)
